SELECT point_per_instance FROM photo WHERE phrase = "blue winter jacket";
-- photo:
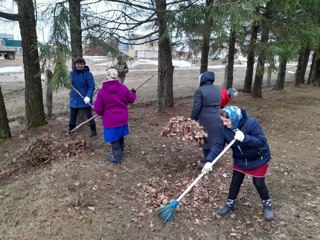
(82, 81)
(253, 152)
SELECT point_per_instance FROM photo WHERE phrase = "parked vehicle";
(8, 52)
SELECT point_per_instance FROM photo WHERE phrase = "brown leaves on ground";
(47, 149)
(183, 128)
(206, 194)
(42, 152)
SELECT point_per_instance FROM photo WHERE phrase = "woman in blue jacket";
(83, 82)
(251, 155)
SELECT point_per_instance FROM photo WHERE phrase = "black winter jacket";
(206, 106)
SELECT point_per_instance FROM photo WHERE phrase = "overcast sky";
(11, 27)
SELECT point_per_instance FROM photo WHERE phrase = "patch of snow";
(11, 69)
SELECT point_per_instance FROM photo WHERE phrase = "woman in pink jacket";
(112, 104)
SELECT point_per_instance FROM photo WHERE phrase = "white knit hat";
(111, 74)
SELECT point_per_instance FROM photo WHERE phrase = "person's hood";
(111, 86)
(206, 78)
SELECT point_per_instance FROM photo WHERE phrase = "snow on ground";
(11, 69)
(103, 61)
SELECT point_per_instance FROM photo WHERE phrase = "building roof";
(6, 36)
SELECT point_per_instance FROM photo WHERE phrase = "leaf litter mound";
(43, 151)
(200, 205)
(159, 191)
(185, 129)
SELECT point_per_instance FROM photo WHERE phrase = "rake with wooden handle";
(166, 213)
(80, 94)
(81, 124)
(144, 82)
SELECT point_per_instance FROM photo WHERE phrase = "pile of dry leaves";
(43, 151)
(183, 128)
(48, 149)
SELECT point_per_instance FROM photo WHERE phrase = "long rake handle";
(80, 95)
(81, 124)
(144, 82)
(202, 174)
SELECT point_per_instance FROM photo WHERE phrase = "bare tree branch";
(9, 16)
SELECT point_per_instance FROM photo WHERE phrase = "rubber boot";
(116, 157)
(111, 157)
(93, 130)
(122, 147)
(229, 207)
(118, 154)
(267, 210)
(71, 126)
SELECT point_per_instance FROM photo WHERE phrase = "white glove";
(86, 100)
(207, 168)
(239, 136)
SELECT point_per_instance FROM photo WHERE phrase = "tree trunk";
(269, 75)
(302, 66)
(4, 123)
(76, 41)
(312, 70)
(165, 67)
(316, 80)
(206, 40)
(257, 85)
(75, 28)
(247, 87)
(35, 115)
(49, 95)
(305, 64)
(231, 52)
(281, 75)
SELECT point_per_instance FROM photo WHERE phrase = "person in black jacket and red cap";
(251, 156)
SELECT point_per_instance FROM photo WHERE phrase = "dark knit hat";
(79, 60)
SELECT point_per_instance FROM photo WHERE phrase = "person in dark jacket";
(251, 155)
(205, 109)
(112, 104)
(83, 82)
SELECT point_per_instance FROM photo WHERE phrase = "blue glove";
(133, 90)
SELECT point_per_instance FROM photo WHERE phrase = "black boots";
(267, 210)
(71, 126)
(229, 207)
(116, 157)
(93, 130)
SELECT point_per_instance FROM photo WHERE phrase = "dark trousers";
(118, 144)
(74, 114)
(205, 152)
(237, 179)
